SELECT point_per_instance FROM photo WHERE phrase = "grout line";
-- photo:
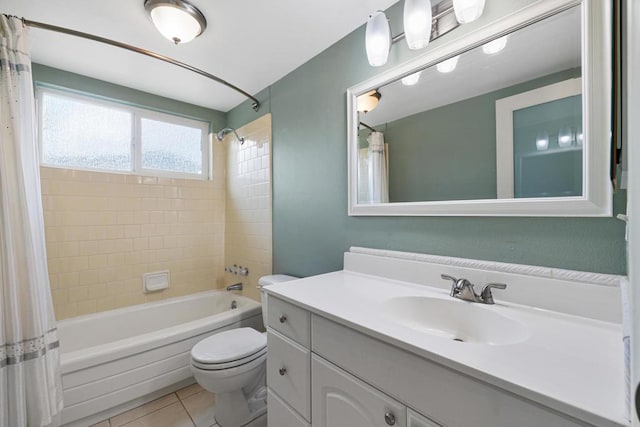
(187, 411)
(149, 413)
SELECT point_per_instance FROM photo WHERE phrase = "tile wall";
(248, 204)
(105, 230)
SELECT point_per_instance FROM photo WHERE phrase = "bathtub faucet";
(235, 287)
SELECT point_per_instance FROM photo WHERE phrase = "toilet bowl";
(232, 364)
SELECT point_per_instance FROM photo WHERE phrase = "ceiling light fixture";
(368, 101)
(177, 20)
(449, 65)
(422, 24)
(495, 46)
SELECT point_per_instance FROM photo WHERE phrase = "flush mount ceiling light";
(422, 23)
(368, 101)
(177, 20)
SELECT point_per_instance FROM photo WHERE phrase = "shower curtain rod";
(255, 105)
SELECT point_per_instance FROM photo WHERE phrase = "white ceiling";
(549, 46)
(249, 43)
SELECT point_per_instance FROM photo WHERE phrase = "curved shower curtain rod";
(255, 105)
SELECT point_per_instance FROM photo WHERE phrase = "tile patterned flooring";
(191, 406)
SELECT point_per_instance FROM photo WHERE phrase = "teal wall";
(425, 148)
(45, 75)
(311, 229)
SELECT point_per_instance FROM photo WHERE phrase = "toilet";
(232, 364)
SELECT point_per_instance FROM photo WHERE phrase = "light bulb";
(449, 65)
(411, 79)
(495, 46)
(417, 23)
(468, 10)
(377, 39)
(542, 141)
(565, 137)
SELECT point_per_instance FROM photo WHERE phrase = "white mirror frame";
(596, 113)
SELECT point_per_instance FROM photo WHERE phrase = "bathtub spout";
(235, 287)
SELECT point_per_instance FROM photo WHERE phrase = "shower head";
(223, 132)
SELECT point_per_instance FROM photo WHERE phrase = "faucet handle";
(454, 280)
(486, 295)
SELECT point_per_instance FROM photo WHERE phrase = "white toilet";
(232, 364)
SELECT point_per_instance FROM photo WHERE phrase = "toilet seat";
(229, 349)
(258, 356)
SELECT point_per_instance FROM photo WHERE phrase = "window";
(80, 132)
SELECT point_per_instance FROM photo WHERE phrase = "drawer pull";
(283, 318)
(282, 371)
(390, 418)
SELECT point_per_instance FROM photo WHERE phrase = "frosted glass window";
(78, 134)
(171, 147)
(81, 132)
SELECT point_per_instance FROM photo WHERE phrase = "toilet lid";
(228, 346)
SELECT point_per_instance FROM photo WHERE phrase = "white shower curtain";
(378, 165)
(30, 386)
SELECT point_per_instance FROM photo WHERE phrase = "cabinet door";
(341, 400)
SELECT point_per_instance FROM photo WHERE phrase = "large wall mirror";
(511, 119)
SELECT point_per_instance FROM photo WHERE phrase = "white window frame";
(137, 114)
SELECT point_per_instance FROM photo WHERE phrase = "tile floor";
(191, 406)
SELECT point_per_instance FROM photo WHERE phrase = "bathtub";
(114, 360)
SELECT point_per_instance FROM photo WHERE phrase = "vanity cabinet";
(339, 399)
(345, 378)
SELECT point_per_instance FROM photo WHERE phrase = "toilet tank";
(268, 281)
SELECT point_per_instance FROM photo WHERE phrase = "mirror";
(512, 119)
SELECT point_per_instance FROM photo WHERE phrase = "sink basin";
(455, 320)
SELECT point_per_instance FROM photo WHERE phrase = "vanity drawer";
(288, 372)
(289, 320)
(279, 413)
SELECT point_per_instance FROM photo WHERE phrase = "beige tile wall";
(248, 205)
(104, 231)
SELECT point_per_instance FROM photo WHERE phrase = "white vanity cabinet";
(339, 399)
(322, 373)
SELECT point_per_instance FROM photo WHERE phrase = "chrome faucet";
(235, 287)
(464, 290)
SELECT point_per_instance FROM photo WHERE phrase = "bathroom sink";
(455, 320)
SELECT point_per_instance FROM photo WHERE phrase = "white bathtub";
(118, 358)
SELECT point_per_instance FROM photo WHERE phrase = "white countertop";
(568, 363)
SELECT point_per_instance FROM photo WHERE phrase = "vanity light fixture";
(411, 79)
(449, 65)
(368, 101)
(565, 137)
(468, 10)
(422, 23)
(177, 20)
(495, 46)
(542, 141)
(580, 138)
(378, 39)
(417, 23)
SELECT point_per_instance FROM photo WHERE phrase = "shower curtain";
(30, 385)
(378, 165)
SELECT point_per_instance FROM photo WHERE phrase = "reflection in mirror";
(503, 120)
